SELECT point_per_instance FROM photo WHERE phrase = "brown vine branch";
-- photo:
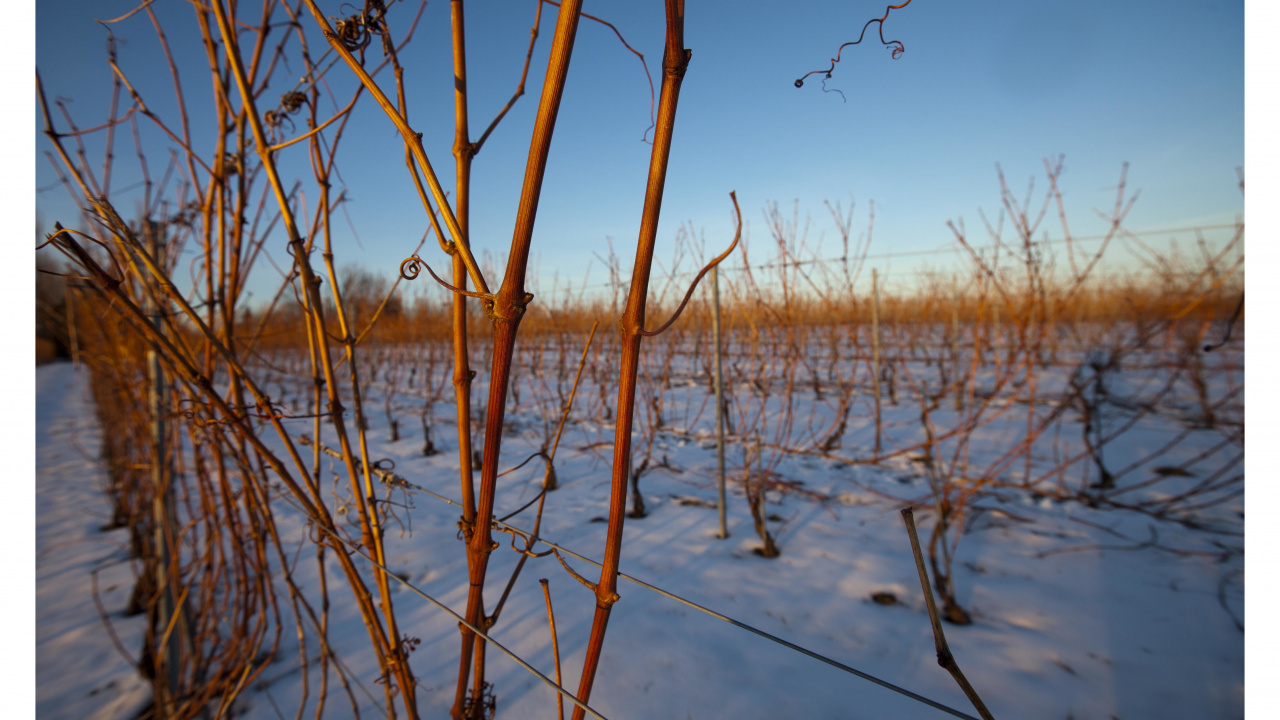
(474, 147)
(127, 15)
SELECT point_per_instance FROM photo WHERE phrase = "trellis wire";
(944, 250)
(395, 480)
(356, 549)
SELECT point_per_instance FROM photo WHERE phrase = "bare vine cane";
(897, 48)
(478, 532)
(945, 658)
(506, 312)
(675, 61)
(392, 658)
(633, 331)
(184, 367)
(182, 354)
(464, 152)
(505, 307)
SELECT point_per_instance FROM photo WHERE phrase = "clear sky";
(1157, 84)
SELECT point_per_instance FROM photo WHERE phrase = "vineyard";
(1018, 440)
(431, 491)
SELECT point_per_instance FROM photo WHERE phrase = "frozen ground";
(1078, 613)
(79, 672)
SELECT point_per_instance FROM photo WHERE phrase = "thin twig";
(694, 286)
(106, 622)
(637, 53)
(555, 644)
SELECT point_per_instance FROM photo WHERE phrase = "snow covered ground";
(79, 672)
(1078, 612)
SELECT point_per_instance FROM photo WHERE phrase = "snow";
(79, 672)
(1078, 612)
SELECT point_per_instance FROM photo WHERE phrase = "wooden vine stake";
(955, 344)
(168, 670)
(715, 327)
(875, 349)
(945, 658)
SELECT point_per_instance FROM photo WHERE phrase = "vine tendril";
(412, 266)
(896, 48)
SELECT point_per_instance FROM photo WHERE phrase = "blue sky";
(1159, 85)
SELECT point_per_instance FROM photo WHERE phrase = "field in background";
(1043, 437)
(1087, 598)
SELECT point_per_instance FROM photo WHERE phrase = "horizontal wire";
(919, 253)
(736, 623)
(461, 621)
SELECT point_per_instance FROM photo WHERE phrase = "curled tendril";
(585, 582)
(352, 33)
(355, 32)
(231, 164)
(529, 542)
(826, 89)
(292, 101)
(274, 120)
(644, 138)
(896, 46)
(187, 215)
(409, 644)
(411, 267)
